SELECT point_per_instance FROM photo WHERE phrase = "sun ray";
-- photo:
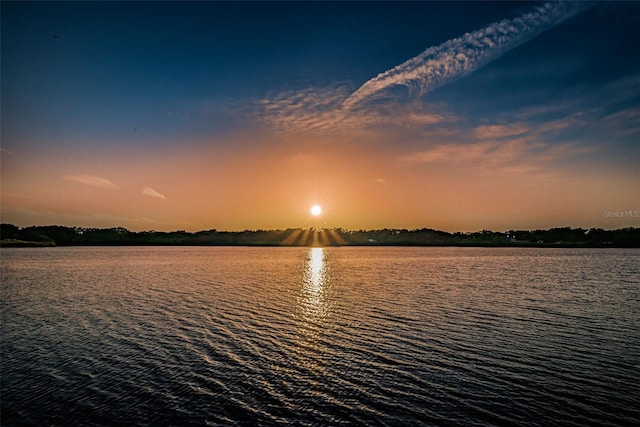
(304, 239)
(324, 238)
(291, 238)
(337, 238)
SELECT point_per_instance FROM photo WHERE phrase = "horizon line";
(255, 230)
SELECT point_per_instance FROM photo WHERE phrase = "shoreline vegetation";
(565, 237)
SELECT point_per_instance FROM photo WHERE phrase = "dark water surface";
(312, 336)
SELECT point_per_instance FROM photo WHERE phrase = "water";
(312, 336)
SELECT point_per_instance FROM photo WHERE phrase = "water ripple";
(320, 336)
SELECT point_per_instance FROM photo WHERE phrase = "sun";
(315, 210)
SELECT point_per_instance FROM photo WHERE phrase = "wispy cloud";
(91, 180)
(511, 156)
(339, 108)
(148, 191)
(318, 110)
(625, 123)
(499, 131)
(455, 58)
(309, 109)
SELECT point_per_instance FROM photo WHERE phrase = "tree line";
(56, 235)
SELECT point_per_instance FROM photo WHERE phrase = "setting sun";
(316, 210)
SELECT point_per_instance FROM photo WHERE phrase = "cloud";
(148, 191)
(92, 181)
(499, 131)
(310, 109)
(332, 109)
(456, 58)
(624, 123)
(318, 110)
(516, 156)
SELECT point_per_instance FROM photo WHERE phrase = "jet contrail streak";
(455, 58)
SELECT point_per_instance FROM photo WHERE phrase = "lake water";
(320, 336)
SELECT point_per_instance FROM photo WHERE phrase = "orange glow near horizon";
(245, 136)
(272, 188)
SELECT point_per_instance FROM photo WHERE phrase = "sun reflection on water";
(313, 303)
(316, 267)
(310, 353)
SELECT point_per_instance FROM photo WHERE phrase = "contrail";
(455, 58)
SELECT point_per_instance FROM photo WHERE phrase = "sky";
(199, 115)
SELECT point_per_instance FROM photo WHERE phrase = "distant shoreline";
(13, 243)
(566, 237)
(257, 245)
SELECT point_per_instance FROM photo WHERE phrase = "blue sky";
(203, 102)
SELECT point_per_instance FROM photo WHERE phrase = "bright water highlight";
(320, 336)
